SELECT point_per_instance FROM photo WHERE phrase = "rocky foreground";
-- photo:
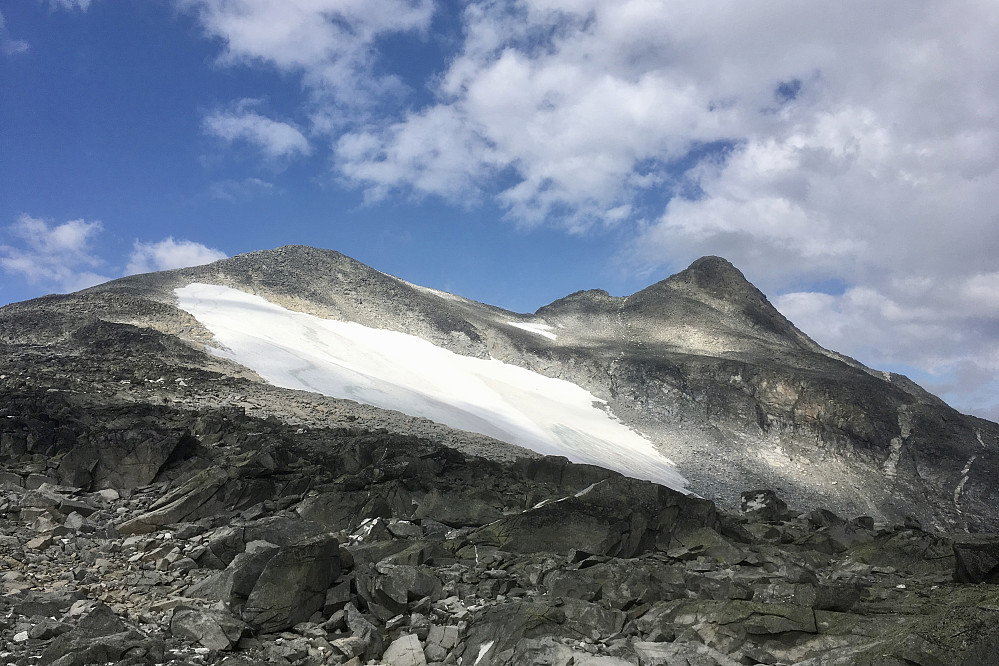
(140, 534)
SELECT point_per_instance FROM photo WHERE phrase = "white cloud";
(332, 43)
(8, 45)
(58, 256)
(70, 5)
(63, 256)
(274, 138)
(240, 190)
(168, 254)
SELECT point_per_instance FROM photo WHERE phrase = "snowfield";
(538, 329)
(403, 372)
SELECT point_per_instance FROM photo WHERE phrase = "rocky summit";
(181, 487)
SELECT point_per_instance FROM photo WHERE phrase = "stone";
(40, 542)
(48, 628)
(681, 654)
(405, 651)
(976, 559)
(618, 516)
(763, 505)
(101, 637)
(214, 629)
(361, 628)
(293, 584)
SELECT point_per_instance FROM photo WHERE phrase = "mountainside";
(700, 364)
(295, 458)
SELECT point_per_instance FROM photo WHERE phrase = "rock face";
(160, 505)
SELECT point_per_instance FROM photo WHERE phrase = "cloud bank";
(59, 256)
(65, 256)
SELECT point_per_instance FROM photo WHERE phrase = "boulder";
(213, 629)
(976, 559)
(99, 638)
(617, 516)
(293, 584)
(405, 651)
(763, 505)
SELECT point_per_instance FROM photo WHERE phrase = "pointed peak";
(715, 275)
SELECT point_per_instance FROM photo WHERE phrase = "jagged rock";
(293, 584)
(178, 505)
(48, 603)
(681, 654)
(405, 651)
(48, 628)
(617, 516)
(99, 638)
(976, 559)
(214, 629)
(371, 642)
(441, 639)
(763, 505)
(393, 587)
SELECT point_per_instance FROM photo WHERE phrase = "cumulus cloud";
(56, 256)
(331, 43)
(274, 138)
(236, 191)
(168, 254)
(63, 256)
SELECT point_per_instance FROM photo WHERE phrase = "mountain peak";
(716, 276)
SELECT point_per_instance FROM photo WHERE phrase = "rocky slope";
(159, 504)
(700, 363)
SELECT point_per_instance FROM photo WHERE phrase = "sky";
(844, 156)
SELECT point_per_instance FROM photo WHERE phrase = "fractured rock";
(292, 585)
(214, 629)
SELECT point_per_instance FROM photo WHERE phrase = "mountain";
(700, 365)
(359, 462)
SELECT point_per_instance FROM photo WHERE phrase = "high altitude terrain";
(176, 489)
(700, 364)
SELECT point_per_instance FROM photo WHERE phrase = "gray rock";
(976, 559)
(293, 584)
(214, 629)
(361, 628)
(99, 638)
(405, 651)
(763, 505)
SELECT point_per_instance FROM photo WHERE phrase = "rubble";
(314, 550)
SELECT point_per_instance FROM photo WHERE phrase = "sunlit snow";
(538, 329)
(397, 371)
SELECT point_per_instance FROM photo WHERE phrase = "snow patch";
(536, 328)
(433, 292)
(483, 649)
(964, 479)
(394, 370)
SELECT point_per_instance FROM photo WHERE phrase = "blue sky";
(845, 157)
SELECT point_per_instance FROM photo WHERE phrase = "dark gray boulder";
(102, 637)
(976, 559)
(293, 584)
(763, 505)
(617, 516)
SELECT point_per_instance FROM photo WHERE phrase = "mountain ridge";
(699, 362)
